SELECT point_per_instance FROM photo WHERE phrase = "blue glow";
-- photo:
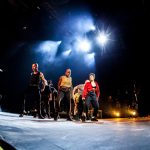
(66, 53)
(90, 59)
(48, 49)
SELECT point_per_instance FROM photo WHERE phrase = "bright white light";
(66, 53)
(83, 45)
(102, 38)
(92, 27)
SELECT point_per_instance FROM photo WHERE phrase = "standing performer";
(64, 90)
(33, 102)
(91, 95)
(46, 97)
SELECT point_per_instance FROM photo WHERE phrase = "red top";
(88, 87)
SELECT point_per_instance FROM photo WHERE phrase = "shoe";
(34, 115)
(88, 118)
(40, 117)
(83, 118)
(76, 117)
(56, 116)
(94, 119)
(69, 119)
(49, 117)
(21, 115)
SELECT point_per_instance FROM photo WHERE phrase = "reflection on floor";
(28, 133)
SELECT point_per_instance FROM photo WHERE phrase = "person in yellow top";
(64, 90)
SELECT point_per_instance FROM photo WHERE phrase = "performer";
(91, 95)
(64, 89)
(37, 84)
(46, 98)
(78, 103)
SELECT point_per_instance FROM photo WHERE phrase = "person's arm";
(44, 81)
(71, 87)
(59, 83)
(50, 93)
(84, 92)
(97, 90)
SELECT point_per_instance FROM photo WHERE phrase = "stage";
(28, 133)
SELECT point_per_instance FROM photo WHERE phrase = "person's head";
(50, 82)
(35, 67)
(68, 72)
(91, 76)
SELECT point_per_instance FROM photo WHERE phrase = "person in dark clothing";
(32, 100)
(46, 97)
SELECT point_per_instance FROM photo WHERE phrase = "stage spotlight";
(116, 113)
(102, 38)
(83, 45)
(133, 113)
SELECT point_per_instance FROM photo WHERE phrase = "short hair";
(68, 69)
(92, 74)
(35, 64)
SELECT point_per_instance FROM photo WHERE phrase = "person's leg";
(95, 105)
(38, 97)
(48, 109)
(68, 105)
(80, 106)
(57, 104)
(86, 105)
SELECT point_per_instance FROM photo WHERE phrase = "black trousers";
(32, 99)
(80, 106)
(61, 95)
(91, 99)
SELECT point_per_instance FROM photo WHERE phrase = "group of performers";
(41, 93)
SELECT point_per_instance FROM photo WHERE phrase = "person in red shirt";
(90, 95)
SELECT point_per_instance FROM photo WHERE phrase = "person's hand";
(42, 90)
(50, 99)
(83, 98)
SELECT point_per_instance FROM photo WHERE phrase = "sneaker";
(94, 119)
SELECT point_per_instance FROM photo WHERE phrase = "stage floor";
(28, 133)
